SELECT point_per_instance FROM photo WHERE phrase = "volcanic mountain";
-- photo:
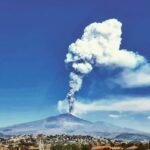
(70, 124)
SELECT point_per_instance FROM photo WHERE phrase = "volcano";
(72, 125)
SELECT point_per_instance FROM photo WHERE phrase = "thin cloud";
(148, 117)
(114, 116)
(123, 105)
(136, 78)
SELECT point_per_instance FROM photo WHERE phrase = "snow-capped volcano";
(67, 124)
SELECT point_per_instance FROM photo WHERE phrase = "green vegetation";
(71, 147)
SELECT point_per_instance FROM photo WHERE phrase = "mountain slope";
(133, 136)
(51, 125)
(69, 124)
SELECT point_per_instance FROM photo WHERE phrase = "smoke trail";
(98, 46)
(75, 83)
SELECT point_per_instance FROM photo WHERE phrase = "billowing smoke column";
(98, 46)
(75, 82)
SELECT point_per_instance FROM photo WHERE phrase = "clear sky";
(34, 40)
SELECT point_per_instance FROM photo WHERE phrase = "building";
(3, 147)
(132, 148)
(102, 148)
(117, 148)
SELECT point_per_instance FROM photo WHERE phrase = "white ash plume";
(98, 46)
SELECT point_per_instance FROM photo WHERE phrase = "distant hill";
(69, 124)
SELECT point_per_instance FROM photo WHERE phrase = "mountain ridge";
(70, 124)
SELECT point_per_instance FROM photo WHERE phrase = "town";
(68, 142)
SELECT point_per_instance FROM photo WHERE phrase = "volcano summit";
(70, 124)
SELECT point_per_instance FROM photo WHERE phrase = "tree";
(141, 147)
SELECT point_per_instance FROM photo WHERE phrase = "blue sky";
(34, 39)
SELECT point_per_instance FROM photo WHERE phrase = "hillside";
(69, 124)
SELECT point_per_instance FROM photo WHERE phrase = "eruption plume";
(98, 46)
(75, 85)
